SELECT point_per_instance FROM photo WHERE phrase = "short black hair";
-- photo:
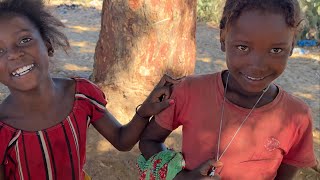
(41, 18)
(290, 9)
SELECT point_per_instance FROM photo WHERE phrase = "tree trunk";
(140, 40)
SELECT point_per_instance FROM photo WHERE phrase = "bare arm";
(152, 139)
(1, 173)
(121, 137)
(286, 172)
(125, 137)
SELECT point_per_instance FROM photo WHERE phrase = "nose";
(15, 53)
(257, 60)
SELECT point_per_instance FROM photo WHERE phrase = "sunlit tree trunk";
(140, 40)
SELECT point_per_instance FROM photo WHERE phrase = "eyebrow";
(22, 30)
(280, 44)
(247, 42)
(240, 41)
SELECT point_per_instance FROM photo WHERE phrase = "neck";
(240, 97)
(38, 98)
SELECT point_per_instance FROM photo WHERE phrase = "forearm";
(286, 172)
(288, 176)
(131, 132)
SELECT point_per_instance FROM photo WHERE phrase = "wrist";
(140, 112)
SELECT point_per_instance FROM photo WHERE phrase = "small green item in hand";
(164, 165)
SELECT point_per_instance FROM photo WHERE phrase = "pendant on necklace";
(212, 172)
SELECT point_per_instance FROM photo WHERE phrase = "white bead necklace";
(221, 119)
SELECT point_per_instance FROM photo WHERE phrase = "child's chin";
(25, 84)
(26, 88)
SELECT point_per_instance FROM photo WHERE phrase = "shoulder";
(294, 104)
(194, 86)
(201, 78)
(85, 84)
(85, 89)
(296, 110)
(198, 81)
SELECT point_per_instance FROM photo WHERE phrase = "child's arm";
(151, 142)
(1, 173)
(286, 172)
(152, 139)
(125, 137)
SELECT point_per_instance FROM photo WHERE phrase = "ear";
(292, 46)
(222, 40)
(49, 48)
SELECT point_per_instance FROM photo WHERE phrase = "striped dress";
(58, 152)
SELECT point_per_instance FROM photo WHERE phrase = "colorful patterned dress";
(58, 152)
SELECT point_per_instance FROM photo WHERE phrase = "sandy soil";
(301, 78)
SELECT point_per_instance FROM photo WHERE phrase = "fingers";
(158, 99)
(207, 167)
(168, 80)
(164, 92)
(217, 164)
(158, 107)
(160, 94)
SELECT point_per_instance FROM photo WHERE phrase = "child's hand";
(201, 172)
(158, 99)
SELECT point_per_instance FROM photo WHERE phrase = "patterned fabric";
(164, 165)
(58, 152)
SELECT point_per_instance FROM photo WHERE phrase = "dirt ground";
(301, 78)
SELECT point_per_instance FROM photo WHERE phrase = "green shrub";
(210, 10)
(311, 10)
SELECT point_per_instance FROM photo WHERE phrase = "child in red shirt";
(238, 124)
(44, 120)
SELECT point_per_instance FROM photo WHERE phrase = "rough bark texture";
(140, 40)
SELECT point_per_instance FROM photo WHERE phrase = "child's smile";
(23, 70)
(254, 78)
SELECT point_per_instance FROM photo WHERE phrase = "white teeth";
(253, 78)
(23, 70)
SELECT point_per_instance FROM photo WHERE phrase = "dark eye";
(2, 51)
(25, 40)
(243, 48)
(276, 50)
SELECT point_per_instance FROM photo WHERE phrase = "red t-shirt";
(59, 151)
(279, 132)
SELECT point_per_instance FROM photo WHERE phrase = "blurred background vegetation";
(211, 10)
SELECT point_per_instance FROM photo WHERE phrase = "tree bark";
(140, 40)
